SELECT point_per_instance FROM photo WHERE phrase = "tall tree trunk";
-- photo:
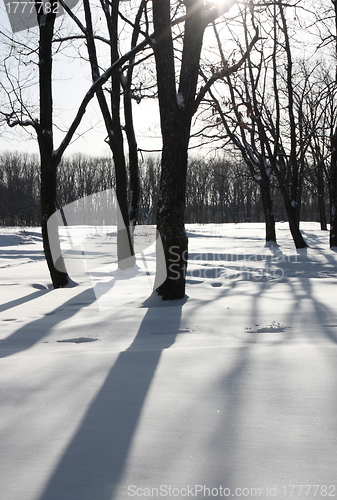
(292, 214)
(171, 207)
(291, 208)
(333, 191)
(176, 112)
(321, 197)
(45, 138)
(267, 205)
(130, 131)
(133, 159)
(333, 166)
(125, 249)
(125, 252)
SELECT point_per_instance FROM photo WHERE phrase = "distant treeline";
(217, 190)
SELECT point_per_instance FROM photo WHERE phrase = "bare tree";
(112, 117)
(314, 104)
(176, 111)
(19, 114)
(234, 110)
(333, 165)
(265, 114)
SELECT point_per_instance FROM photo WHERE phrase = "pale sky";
(71, 82)
(72, 79)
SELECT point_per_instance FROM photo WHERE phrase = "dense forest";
(218, 190)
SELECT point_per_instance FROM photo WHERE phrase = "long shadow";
(322, 312)
(314, 239)
(201, 235)
(11, 254)
(233, 401)
(93, 464)
(31, 333)
(28, 335)
(226, 438)
(22, 300)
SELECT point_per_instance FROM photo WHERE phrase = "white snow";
(228, 393)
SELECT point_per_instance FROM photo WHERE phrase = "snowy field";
(230, 393)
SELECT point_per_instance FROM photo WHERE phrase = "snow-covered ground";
(230, 393)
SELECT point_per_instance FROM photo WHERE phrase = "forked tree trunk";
(176, 112)
(125, 251)
(58, 275)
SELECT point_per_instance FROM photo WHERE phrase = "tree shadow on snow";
(237, 448)
(93, 464)
(325, 317)
(33, 332)
(22, 300)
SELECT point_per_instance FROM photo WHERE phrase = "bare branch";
(97, 85)
(225, 72)
(22, 123)
(80, 37)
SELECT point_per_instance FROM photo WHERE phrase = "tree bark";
(175, 118)
(134, 181)
(292, 214)
(333, 165)
(171, 208)
(333, 191)
(321, 197)
(133, 159)
(267, 205)
(58, 274)
(125, 252)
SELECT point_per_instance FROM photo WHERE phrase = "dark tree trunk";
(321, 197)
(125, 250)
(112, 122)
(292, 214)
(130, 132)
(288, 173)
(170, 217)
(133, 159)
(333, 166)
(292, 207)
(45, 138)
(57, 270)
(175, 118)
(292, 210)
(267, 205)
(333, 191)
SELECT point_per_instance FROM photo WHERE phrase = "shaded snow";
(233, 387)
